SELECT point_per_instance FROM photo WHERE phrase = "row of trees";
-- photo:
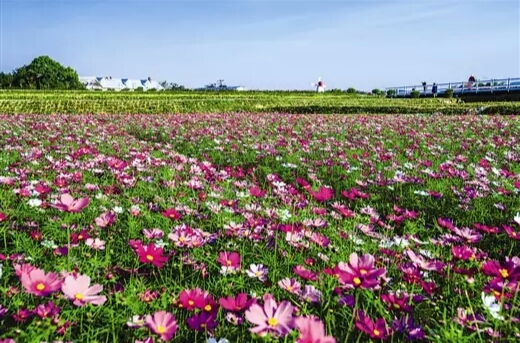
(42, 73)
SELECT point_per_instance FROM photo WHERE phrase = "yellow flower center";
(377, 332)
(172, 215)
(78, 296)
(504, 273)
(290, 288)
(182, 239)
(191, 302)
(272, 321)
(363, 271)
(207, 308)
(357, 281)
(397, 306)
(258, 273)
(40, 286)
(228, 262)
(161, 329)
(149, 257)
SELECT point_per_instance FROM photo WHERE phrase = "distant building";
(109, 83)
(222, 88)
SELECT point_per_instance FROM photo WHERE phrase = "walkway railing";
(479, 86)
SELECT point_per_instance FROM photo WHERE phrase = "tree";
(351, 90)
(45, 73)
(6, 80)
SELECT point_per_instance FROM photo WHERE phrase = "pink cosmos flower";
(68, 204)
(323, 194)
(376, 330)
(96, 244)
(163, 324)
(229, 259)
(38, 283)
(106, 219)
(360, 271)
(236, 304)
(312, 330)
(192, 299)
(422, 263)
(171, 213)
(78, 289)
(272, 318)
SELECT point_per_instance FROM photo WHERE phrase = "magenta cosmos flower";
(272, 318)
(37, 282)
(238, 303)
(163, 324)
(151, 254)
(229, 259)
(360, 272)
(376, 330)
(68, 204)
(312, 330)
(79, 291)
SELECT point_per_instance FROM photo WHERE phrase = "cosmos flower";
(151, 254)
(312, 330)
(360, 272)
(271, 318)
(39, 283)
(258, 271)
(163, 324)
(78, 290)
(68, 204)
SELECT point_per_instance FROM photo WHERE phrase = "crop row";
(47, 103)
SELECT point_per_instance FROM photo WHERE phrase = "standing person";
(471, 81)
(424, 86)
(434, 90)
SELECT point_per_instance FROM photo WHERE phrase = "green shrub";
(391, 93)
(415, 94)
(448, 93)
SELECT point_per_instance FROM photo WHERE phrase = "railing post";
(508, 84)
(492, 85)
(477, 82)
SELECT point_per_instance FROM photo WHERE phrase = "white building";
(110, 83)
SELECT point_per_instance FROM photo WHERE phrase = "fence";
(479, 86)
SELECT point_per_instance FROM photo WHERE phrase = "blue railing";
(479, 86)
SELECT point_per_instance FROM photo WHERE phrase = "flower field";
(259, 227)
(84, 102)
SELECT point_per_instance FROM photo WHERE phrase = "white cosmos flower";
(492, 305)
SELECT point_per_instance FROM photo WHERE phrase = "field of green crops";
(36, 102)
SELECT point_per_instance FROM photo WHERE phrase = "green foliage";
(45, 73)
(351, 91)
(448, 93)
(377, 91)
(415, 94)
(391, 93)
(48, 102)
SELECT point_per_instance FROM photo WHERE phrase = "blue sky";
(282, 44)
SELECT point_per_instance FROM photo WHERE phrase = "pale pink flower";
(272, 318)
(79, 291)
(96, 244)
(312, 330)
(162, 323)
(106, 219)
(68, 204)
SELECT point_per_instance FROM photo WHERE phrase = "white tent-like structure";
(109, 83)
